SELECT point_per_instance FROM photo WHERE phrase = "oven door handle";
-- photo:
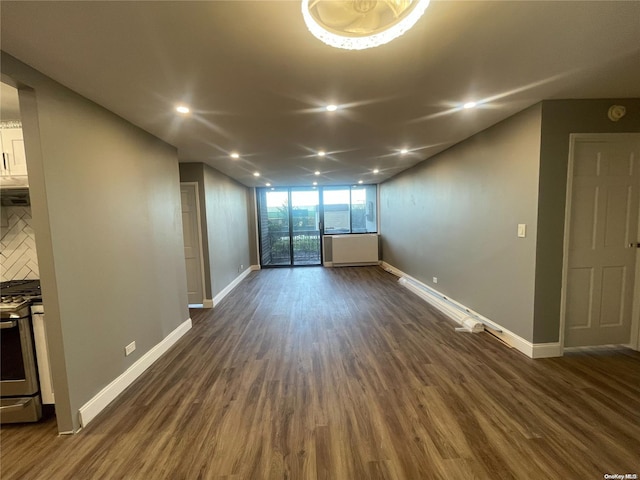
(8, 324)
(16, 406)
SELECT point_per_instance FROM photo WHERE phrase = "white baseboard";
(328, 264)
(458, 312)
(255, 267)
(218, 298)
(207, 303)
(109, 393)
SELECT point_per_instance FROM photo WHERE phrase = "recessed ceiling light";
(404, 151)
(315, 183)
(182, 109)
(235, 155)
(316, 172)
(469, 105)
(375, 170)
(332, 108)
(360, 182)
(268, 184)
(321, 153)
(272, 188)
(256, 174)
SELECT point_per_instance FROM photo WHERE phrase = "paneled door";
(603, 240)
(192, 245)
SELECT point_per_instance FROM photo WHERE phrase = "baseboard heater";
(353, 250)
(469, 320)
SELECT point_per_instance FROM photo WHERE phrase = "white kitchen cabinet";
(14, 160)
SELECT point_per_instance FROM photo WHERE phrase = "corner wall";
(107, 221)
(455, 216)
(225, 210)
(560, 118)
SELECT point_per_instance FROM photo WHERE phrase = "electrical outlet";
(128, 350)
(435, 279)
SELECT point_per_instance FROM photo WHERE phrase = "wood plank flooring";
(316, 373)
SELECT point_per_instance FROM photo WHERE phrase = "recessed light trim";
(182, 109)
(404, 151)
(470, 105)
(360, 182)
(317, 172)
(375, 170)
(235, 155)
(322, 153)
(315, 183)
(332, 108)
(256, 174)
(268, 184)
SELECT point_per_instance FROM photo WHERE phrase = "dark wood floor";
(316, 373)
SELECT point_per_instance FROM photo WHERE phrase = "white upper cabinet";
(14, 161)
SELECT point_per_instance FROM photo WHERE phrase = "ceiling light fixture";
(256, 174)
(375, 170)
(315, 183)
(404, 151)
(469, 105)
(360, 182)
(182, 109)
(332, 108)
(235, 155)
(321, 153)
(268, 184)
(360, 24)
(316, 172)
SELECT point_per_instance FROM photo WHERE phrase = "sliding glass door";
(305, 209)
(289, 226)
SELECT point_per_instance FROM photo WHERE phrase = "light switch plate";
(522, 230)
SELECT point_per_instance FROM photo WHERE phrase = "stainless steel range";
(20, 398)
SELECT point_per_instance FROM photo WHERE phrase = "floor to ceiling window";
(292, 220)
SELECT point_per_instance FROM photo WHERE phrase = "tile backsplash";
(18, 260)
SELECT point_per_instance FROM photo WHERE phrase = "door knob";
(634, 245)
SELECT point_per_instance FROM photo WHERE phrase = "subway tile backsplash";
(18, 259)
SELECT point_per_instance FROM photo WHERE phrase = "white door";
(603, 236)
(192, 250)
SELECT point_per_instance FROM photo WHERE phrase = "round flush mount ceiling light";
(235, 155)
(182, 109)
(360, 24)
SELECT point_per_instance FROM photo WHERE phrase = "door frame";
(199, 225)
(634, 341)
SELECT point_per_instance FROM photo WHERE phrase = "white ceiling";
(257, 80)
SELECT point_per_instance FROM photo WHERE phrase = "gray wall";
(455, 217)
(560, 118)
(106, 211)
(225, 209)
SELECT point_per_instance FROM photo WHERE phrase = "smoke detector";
(616, 112)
